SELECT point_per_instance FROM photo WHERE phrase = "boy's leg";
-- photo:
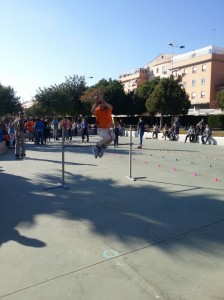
(107, 136)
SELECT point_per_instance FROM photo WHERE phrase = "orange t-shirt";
(29, 126)
(103, 118)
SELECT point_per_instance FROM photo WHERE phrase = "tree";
(112, 91)
(9, 103)
(221, 99)
(146, 89)
(62, 99)
(168, 98)
(136, 104)
(75, 86)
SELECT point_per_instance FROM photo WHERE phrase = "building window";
(202, 94)
(193, 82)
(163, 69)
(202, 81)
(193, 95)
(185, 71)
(175, 73)
(194, 70)
(157, 70)
(185, 84)
(203, 68)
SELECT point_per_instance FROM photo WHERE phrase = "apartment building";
(132, 79)
(201, 72)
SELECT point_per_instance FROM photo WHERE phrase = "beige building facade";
(132, 79)
(201, 72)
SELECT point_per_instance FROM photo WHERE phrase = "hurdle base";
(57, 186)
(135, 178)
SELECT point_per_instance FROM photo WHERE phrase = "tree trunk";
(161, 122)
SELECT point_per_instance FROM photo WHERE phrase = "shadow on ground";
(144, 214)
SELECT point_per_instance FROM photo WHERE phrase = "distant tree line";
(9, 102)
(73, 97)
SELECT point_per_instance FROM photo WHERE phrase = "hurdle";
(62, 184)
(130, 159)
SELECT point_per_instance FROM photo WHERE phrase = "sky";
(44, 41)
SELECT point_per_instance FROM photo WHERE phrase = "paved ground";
(106, 236)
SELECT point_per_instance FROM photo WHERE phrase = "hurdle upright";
(130, 159)
(62, 184)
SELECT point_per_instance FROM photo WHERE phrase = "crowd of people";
(194, 133)
(18, 130)
(200, 129)
(40, 130)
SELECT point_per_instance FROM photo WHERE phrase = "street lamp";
(171, 44)
(84, 76)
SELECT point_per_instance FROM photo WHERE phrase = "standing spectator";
(75, 128)
(11, 133)
(206, 135)
(103, 112)
(196, 133)
(155, 131)
(39, 131)
(117, 132)
(141, 131)
(176, 125)
(69, 128)
(165, 131)
(5, 134)
(47, 130)
(202, 126)
(55, 124)
(30, 129)
(122, 128)
(19, 136)
(63, 124)
(1, 134)
(84, 130)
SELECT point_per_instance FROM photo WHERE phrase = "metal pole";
(62, 185)
(63, 156)
(130, 159)
(130, 151)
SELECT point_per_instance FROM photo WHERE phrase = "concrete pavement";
(106, 236)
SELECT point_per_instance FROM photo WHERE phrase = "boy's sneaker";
(101, 153)
(95, 151)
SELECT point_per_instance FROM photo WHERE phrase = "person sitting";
(173, 135)
(190, 134)
(155, 131)
(206, 135)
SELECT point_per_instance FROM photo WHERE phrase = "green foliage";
(145, 90)
(113, 92)
(168, 98)
(34, 111)
(215, 121)
(62, 99)
(221, 99)
(9, 103)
